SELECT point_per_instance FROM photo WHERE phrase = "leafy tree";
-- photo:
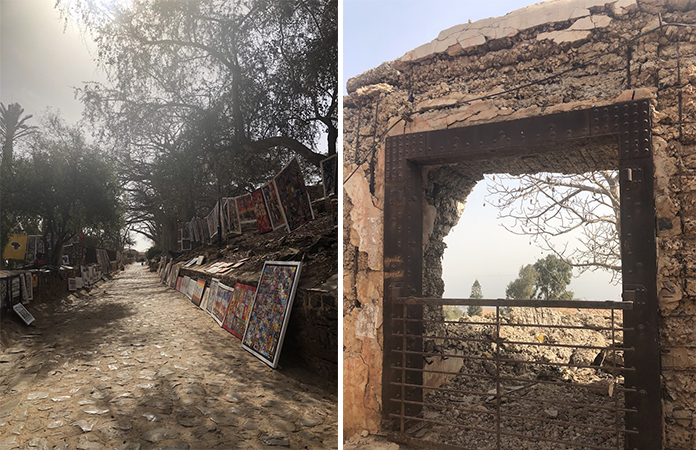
(523, 286)
(13, 127)
(548, 206)
(70, 186)
(553, 276)
(208, 98)
(475, 310)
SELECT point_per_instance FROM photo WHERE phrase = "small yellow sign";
(16, 247)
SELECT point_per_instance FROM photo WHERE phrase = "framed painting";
(23, 313)
(275, 213)
(27, 288)
(245, 206)
(185, 285)
(263, 221)
(289, 183)
(197, 294)
(232, 216)
(204, 299)
(329, 175)
(16, 288)
(270, 312)
(238, 312)
(211, 221)
(72, 284)
(212, 293)
(221, 302)
(179, 281)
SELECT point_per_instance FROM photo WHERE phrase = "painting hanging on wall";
(262, 219)
(329, 175)
(221, 302)
(232, 216)
(238, 312)
(289, 183)
(245, 206)
(270, 312)
(275, 214)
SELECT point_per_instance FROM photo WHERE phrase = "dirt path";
(134, 365)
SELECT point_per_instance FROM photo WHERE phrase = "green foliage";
(70, 185)
(476, 290)
(475, 310)
(152, 252)
(452, 312)
(553, 276)
(523, 286)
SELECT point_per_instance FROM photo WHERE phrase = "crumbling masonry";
(557, 56)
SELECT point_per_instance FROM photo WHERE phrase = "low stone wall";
(558, 56)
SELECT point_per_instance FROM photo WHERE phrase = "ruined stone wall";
(562, 55)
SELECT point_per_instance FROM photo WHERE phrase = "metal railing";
(510, 378)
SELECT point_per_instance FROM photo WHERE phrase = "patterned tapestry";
(270, 312)
(238, 312)
(293, 195)
(261, 213)
(273, 204)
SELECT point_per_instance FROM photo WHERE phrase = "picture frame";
(197, 294)
(22, 312)
(270, 312)
(275, 210)
(221, 302)
(263, 221)
(329, 175)
(294, 198)
(239, 309)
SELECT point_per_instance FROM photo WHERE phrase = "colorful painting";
(238, 312)
(231, 216)
(329, 175)
(289, 183)
(179, 280)
(245, 207)
(221, 302)
(262, 219)
(212, 293)
(270, 313)
(275, 212)
(197, 294)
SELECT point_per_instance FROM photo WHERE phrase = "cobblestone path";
(134, 365)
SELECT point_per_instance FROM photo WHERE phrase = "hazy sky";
(375, 31)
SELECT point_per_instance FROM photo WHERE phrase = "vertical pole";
(497, 377)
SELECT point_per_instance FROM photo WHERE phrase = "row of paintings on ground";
(16, 291)
(282, 202)
(89, 274)
(258, 315)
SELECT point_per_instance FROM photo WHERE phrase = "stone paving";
(134, 365)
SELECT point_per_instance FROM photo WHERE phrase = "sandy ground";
(134, 365)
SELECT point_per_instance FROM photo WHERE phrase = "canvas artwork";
(79, 283)
(221, 302)
(262, 220)
(179, 280)
(270, 312)
(174, 276)
(238, 312)
(16, 247)
(28, 288)
(204, 299)
(211, 221)
(275, 213)
(245, 206)
(212, 293)
(232, 216)
(329, 175)
(16, 288)
(197, 292)
(23, 313)
(185, 286)
(72, 284)
(292, 192)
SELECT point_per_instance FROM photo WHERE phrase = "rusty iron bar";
(492, 341)
(531, 303)
(520, 380)
(421, 443)
(565, 327)
(483, 358)
(435, 405)
(507, 395)
(403, 372)
(617, 419)
(509, 433)
(571, 424)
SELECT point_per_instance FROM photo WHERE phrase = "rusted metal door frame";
(405, 155)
